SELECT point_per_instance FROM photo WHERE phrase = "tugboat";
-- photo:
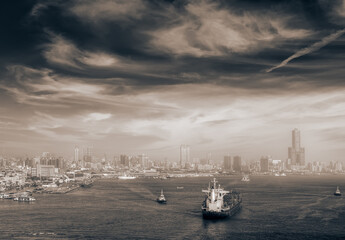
(337, 192)
(219, 203)
(161, 198)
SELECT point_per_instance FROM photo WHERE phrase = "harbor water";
(292, 207)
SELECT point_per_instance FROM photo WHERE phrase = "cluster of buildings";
(295, 162)
(15, 171)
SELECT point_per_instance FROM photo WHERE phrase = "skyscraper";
(227, 162)
(184, 155)
(76, 154)
(143, 161)
(296, 152)
(237, 164)
(264, 163)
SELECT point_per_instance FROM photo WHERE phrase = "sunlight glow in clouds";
(97, 117)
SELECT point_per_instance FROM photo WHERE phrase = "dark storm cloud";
(154, 43)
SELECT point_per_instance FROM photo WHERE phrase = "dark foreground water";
(293, 207)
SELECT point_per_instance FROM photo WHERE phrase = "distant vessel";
(245, 178)
(25, 197)
(125, 177)
(283, 175)
(337, 192)
(277, 175)
(86, 183)
(179, 187)
(161, 198)
(219, 203)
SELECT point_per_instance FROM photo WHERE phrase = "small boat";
(179, 187)
(337, 192)
(245, 178)
(161, 198)
(125, 177)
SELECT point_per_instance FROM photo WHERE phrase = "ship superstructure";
(337, 192)
(161, 198)
(219, 203)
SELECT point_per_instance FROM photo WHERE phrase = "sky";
(130, 77)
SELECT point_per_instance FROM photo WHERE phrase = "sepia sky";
(146, 76)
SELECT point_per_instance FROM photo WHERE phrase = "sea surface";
(292, 207)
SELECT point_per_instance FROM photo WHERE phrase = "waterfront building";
(45, 170)
(184, 155)
(296, 153)
(277, 165)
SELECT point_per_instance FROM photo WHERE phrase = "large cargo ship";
(219, 203)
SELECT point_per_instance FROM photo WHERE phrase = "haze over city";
(147, 76)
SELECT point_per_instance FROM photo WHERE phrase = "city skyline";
(221, 76)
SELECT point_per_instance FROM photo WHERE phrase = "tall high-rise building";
(184, 155)
(237, 164)
(264, 163)
(227, 163)
(76, 154)
(124, 160)
(296, 152)
(143, 161)
(88, 154)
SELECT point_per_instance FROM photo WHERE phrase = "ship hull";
(337, 194)
(161, 201)
(221, 214)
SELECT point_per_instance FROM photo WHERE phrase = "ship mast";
(214, 183)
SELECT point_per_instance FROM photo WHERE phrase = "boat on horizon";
(179, 187)
(125, 177)
(337, 192)
(219, 203)
(24, 197)
(245, 178)
(161, 198)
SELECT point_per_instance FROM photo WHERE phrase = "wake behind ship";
(219, 203)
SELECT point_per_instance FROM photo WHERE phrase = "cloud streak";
(314, 47)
